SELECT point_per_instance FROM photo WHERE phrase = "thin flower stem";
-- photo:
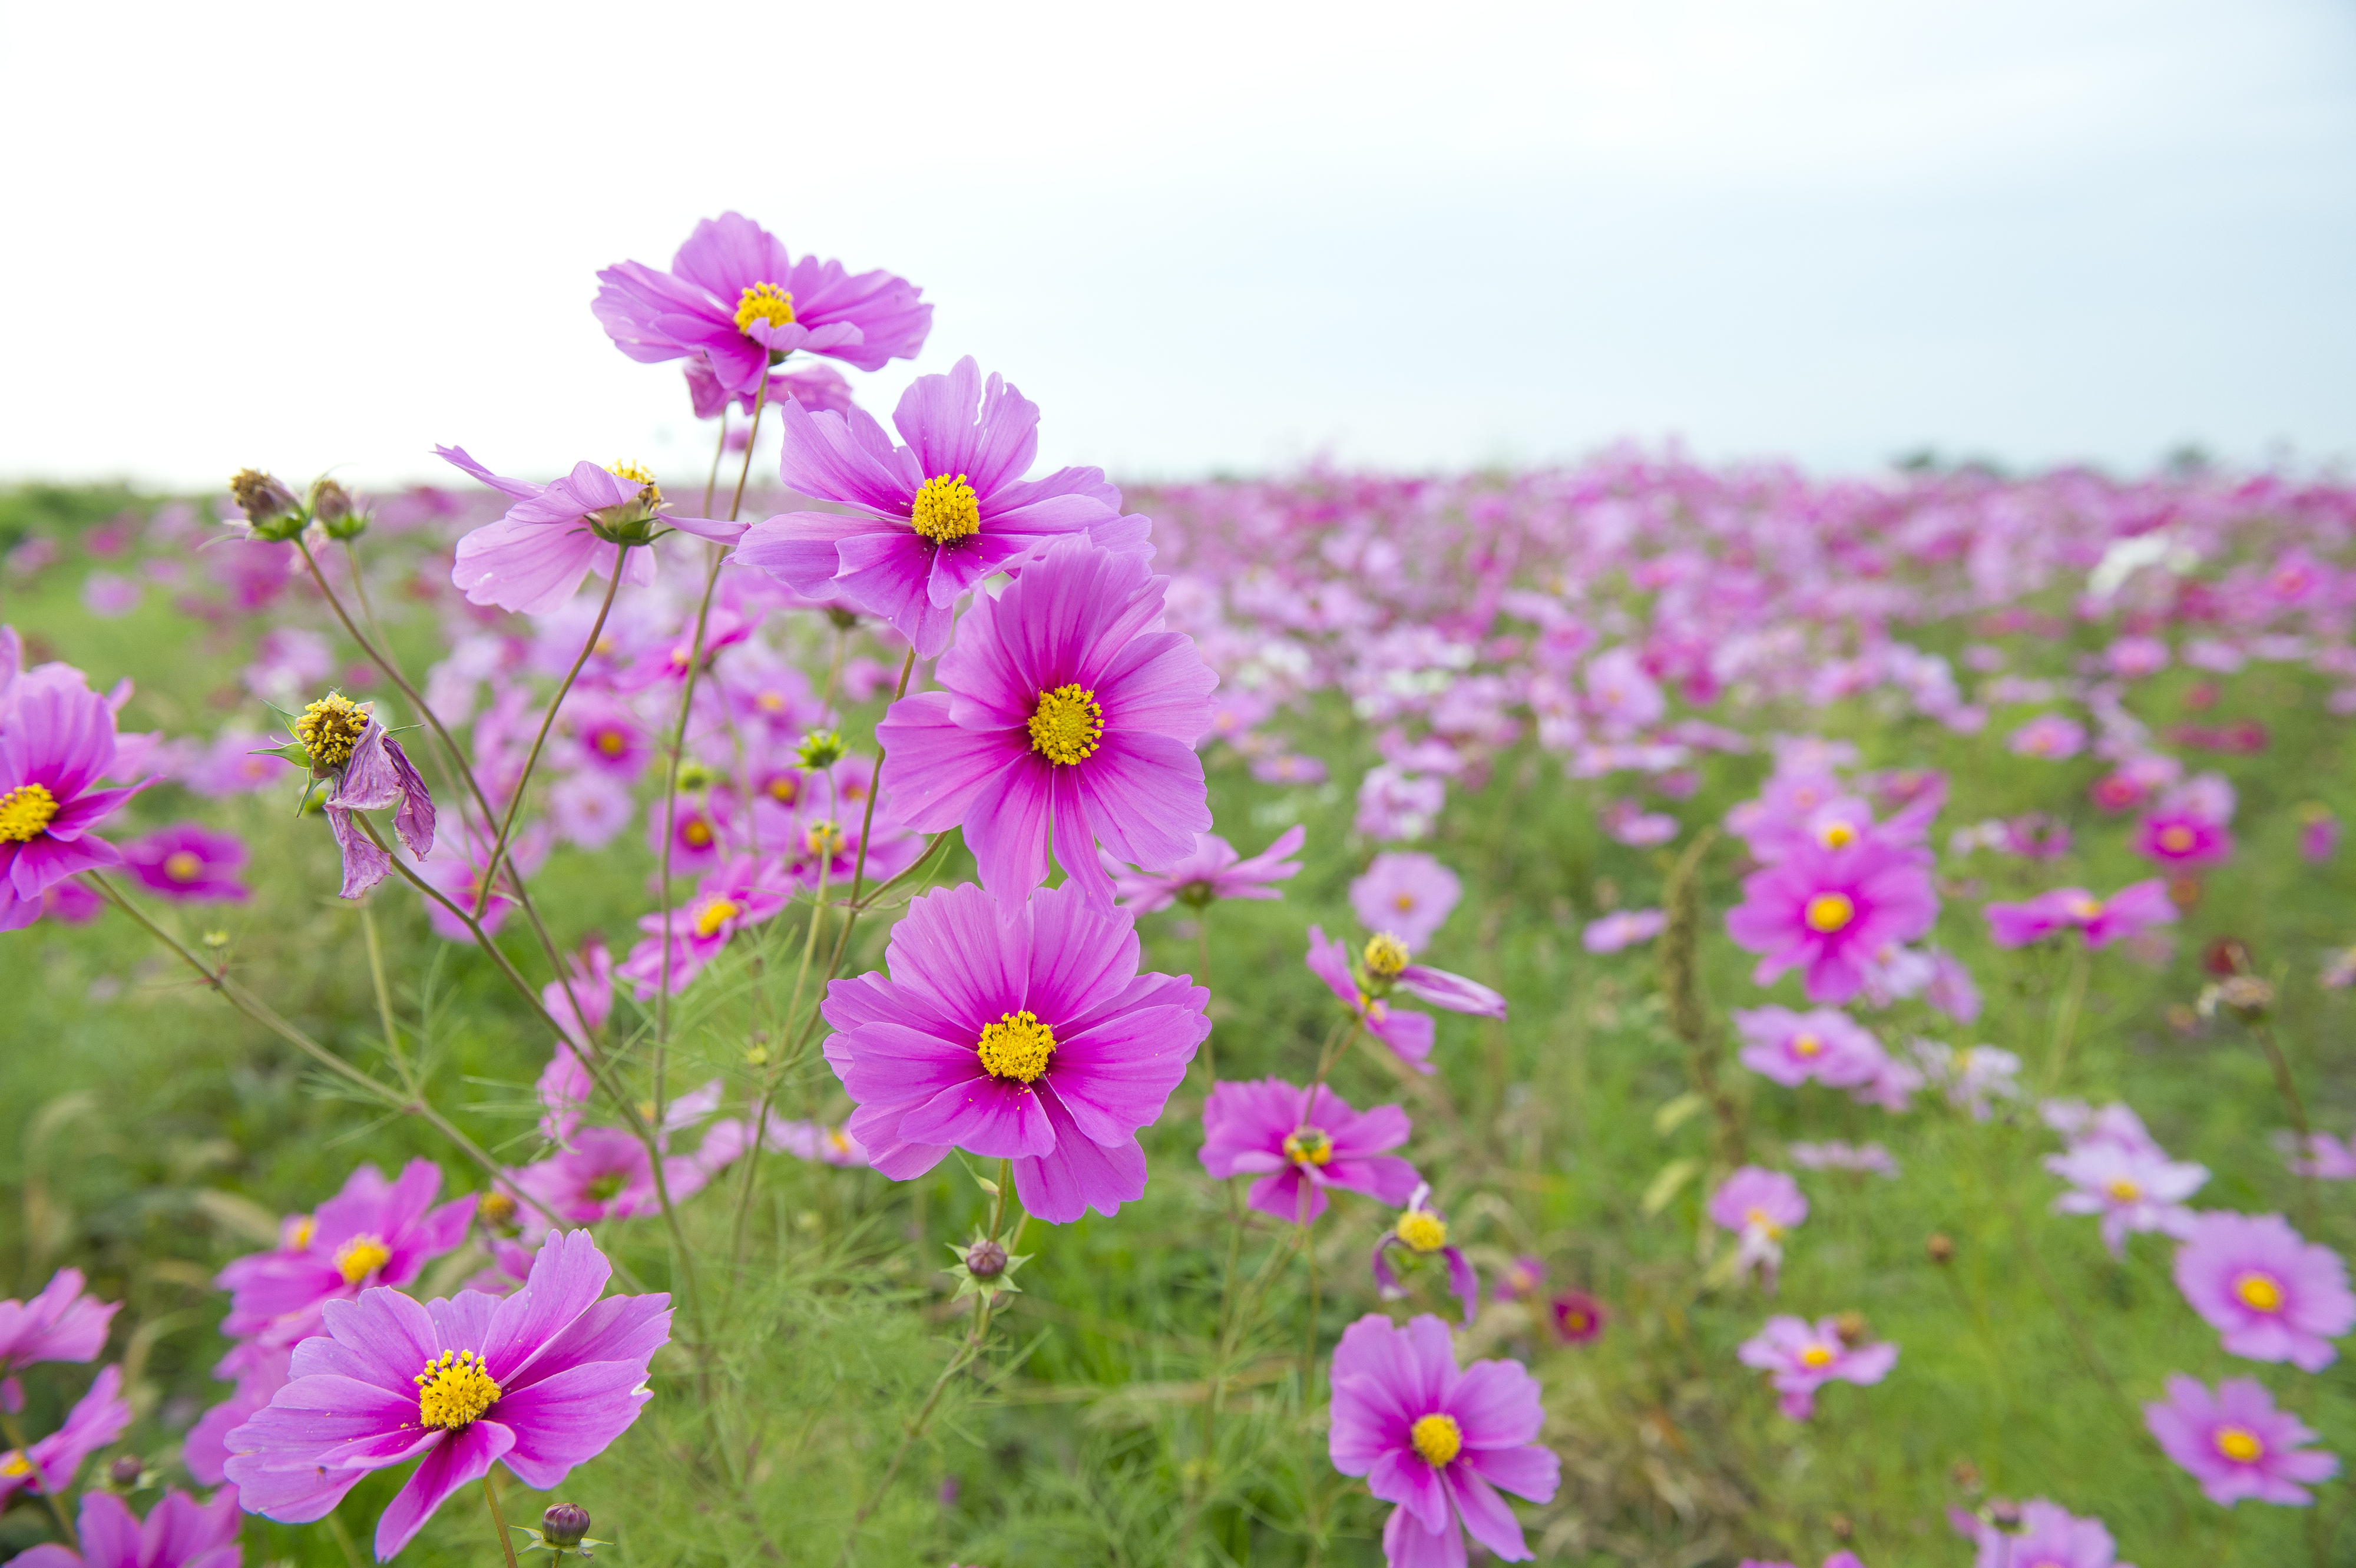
(1309, 1331)
(2296, 1109)
(719, 450)
(343, 1540)
(531, 758)
(2065, 1025)
(360, 590)
(376, 977)
(498, 1519)
(16, 1436)
(761, 1118)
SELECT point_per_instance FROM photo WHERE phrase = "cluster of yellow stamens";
(946, 508)
(2259, 1292)
(15, 1464)
(716, 914)
(1756, 1219)
(1422, 1230)
(823, 840)
(1438, 1438)
(330, 728)
(640, 475)
(1067, 725)
(765, 302)
(1816, 1356)
(2176, 841)
(454, 1390)
(184, 865)
(1806, 1045)
(1017, 1046)
(1836, 835)
(2122, 1190)
(2240, 1444)
(26, 812)
(697, 832)
(1828, 912)
(1309, 1146)
(360, 1257)
(1385, 955)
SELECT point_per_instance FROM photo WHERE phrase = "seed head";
(1940, 1248)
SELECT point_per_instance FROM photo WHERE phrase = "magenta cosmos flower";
(1212, 873)
(934, 516)
(50, 1464)
(2272, 1294)
(606, 1173)
(58, 742)
(2236, 1444)
(1015, 1030)
(187, 861)
(1578, 1318)
(736, 300)
(343, 741)
(1801, 1358)
(1063, 708)
(373, 1232)
(1829, 913)
(741, 894)
(541, 1381)
(2050, 1536)
(1405, 893)
(61, 1324)
(1300, 1142)
(1439, 1443)
(178, 1532)
(532, 559)
(1791, 1049)
(1421, 1231)
(1409, 1035)
(1761, 1207)
(2182, 840)
(2132, 1189)
(2132, 910)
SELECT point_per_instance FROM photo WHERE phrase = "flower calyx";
(984, 1267)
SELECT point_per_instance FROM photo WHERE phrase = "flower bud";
(2005, 1514)
(694, 776)
(565, 1524)
(497, 1211)
(1842, 1526)
(271, 509)
(1852, 1328)
(1940, 1248)
(844, 620)
(985, 1259)
(126, 1471)
(333, 509)
(819, 749)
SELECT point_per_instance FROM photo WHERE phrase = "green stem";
(498, 1519)
(2065, 1024)
(16, 1436)
(2296, 1109)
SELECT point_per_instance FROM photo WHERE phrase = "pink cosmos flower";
(1422, 1231)
(543, 1381)
(2182, 840)
(2050, 736)
(2236, 1444)
(1405, 893)
(377, 775)
(2129, 912)
(1016, 1030)
(815, 388)
(372, 1232)
(187, 861)
(1972, 1078)
(1439, 1442)
(2132, 1189)
(1407, 1034)
(1624, 929)
(1578, 1318)
(736, 301)
(1803, 1358)
(819, 1142)
(590, 809)
(2325, 1159)
(1761, 1207)
(1063, 707)
(61, 1324)
(934, 516)
(2271, 1294)
(607, 735)
(605, 1173)
(2050, 1536)
(1837, 1156)
(1791, 1049)
(50, 1464)
(56, 744)
(1828, 912)
(1300, 1142)
(2319, 835)
(178, 1533)
(533, 559)
(259, 1371)
(1212, 873)
(741, 894)
(2115, 1124)
(1523, 1278)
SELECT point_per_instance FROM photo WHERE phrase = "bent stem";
(16, 1436)
(498, 1519)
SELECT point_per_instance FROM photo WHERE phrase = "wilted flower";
(1300, 1142)
(2272, 1294)
(1422, 1230)
(343, 740)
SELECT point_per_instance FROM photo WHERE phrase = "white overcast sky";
(1216, 236)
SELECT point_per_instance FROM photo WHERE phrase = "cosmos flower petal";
(449, 1465)
(1080, 1174)
(983, 1116)
(570, 1418)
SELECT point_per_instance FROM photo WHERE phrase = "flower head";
(60, 1324)
(1018, 1030)
(2045, 1535)
(1300, 1142)
(2133, 910)
(1212, 873)
(534, 557)
(1405, 892)
(1803, 1357)
(1409, 1035)
(1438, 1442)
(1578, 1318)
(2274, 1295)
(56, 744)
(178, 1532)
(1761, 1207)
(1421, 1231)
(371, 773)
(1792, 1048)
(2132, 1189)
(188, 862)
(2236, 1444)
(740, 894)
(541, 1381)
(50, 1464)
(1829, 913)
(2182, 839)
(373, 1232)
(2050, 736)
(605, 1173)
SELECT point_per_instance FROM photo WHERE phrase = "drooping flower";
(935, 516)
(50, 1464)
(1422, 1231)
(2132, 1189)
(1761, 1207)
(60, 1324)
(1578, 1318)
(1438, 1442)
(2133, 910)
(2271, 1294)
(736, 301)
(1300, 1142)
(1407, 1034)
(178, 1532)
(541, 1381)
(57, 743)
(534, 557)
(1624, 929)
(344, 741)
(1801, 1358)
(2048, 1536)
(1063, 708)
(1407, 893)
(1212, 873)
(1019, 1030)
(1791, 1049)
(1829, 912)
(189, 860)
(372, 1232)
(2236, 1444)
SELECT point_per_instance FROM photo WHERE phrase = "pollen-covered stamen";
(1422, 1230)
(946, 508)
(1836, 835)
(823, 840)
(765, 302)
(26, 813)
(1816, 1356)
(1309, 1146)
(330, 728)
(184, 865)
(2240, 1444)
(362, 1256)
(2259, 1292)
(454, 1390)
(716, 914)
(1017, 1046)
(1385, 955)
(1806, 1045)
(1828, 912)
(1438, 1438)
(1067, 725)
(640, 475)
(2122, 1190)
(1757, 1219)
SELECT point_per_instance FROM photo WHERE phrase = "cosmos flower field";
(884, 1003)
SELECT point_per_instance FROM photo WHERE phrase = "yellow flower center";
(330, 728)
(765, 302)
(2086, 908)
(611, 742)
(2240, 1445)
(24, 812)
(2258, 1293)
(640, 475)
(454, 1389)
(1309, 1146)
(785, 788)
(2122, 1190)
(1067, 725)
(946, 508)
(303, 1233)
(1574, 1320)
(2176, 841)
(697, 832)
(360, 1257)
(183, 866)
(1836, 835)
(1806, 1046)
(716, 914)
(1438, 1438)
(15, 1464)
(1422, 1230)
(1385, 955)
(823, 838)
(1403, 902)
(1756, 1218)
(1816, 1356)
(1017, 1046)
(1828, 912)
